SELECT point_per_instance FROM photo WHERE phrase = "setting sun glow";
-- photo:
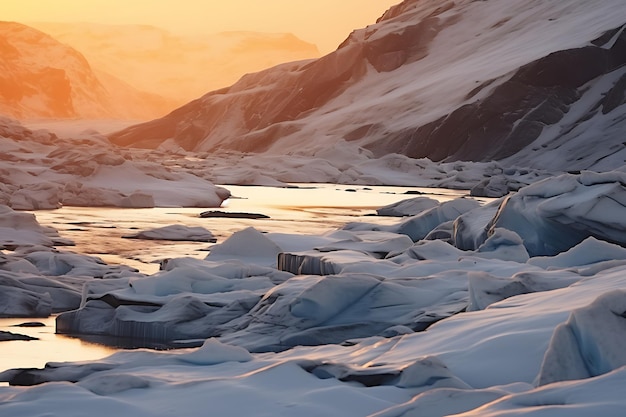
(325, 22)
(144, 58)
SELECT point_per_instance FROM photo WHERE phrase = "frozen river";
(308, 209)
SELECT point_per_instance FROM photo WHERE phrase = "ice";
(17, 301)
(486, 289)
(432, 372)
(495, 186)
(514, 306)
(478, 363)
(375, 243)
(590, 343)
(248, 245)
(581, 398)
(22, 229)
(418, 226)
(410, 207)
(470, 229)
(505, 245)
(42, 196)
(443, 402)
(175, 232)
(46, 171)
(589, 251)
(429, 249)
(556, 214)
(423, 374)
(189, 299)
(55, 263)
(213, 352)
(111, 384)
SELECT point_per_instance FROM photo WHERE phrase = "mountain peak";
(469, 80)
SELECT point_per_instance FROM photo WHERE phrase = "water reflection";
(50, 347)
(306, 210)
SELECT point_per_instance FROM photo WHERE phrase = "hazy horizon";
(324, 23)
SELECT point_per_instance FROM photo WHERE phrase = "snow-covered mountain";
(182, 67)
(43, 78)
(535, 83)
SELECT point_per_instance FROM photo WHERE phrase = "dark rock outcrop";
(538, 95)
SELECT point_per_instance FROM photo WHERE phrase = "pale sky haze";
(323, 22)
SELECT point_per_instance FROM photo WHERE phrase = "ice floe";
(555, 214)
(175, 232)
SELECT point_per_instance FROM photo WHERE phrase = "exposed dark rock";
(31, 324)
(514, 115)
(6, 336)
(233, 215)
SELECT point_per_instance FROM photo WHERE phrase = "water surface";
(309, 209)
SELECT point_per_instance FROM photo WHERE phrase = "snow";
(213, 352)
(589, 343)
(247, 245)
(46, 171)
(398, 327)
(395, 328)
(418, 226)
(514, 306)
(409, 207)
(555, 214)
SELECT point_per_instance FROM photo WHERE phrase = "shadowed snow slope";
(464, 80)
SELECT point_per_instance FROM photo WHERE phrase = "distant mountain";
(181, 67)
(43, 78)
(536, 83)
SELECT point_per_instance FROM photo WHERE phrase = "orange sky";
(323, 22)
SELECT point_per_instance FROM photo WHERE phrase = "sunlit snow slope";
(43, 78)
(539, 83)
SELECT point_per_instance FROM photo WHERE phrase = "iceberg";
(556, 214)
(590, 343)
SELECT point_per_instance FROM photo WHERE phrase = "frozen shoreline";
(449, 302)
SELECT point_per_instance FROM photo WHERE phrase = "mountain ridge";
(420, 65)
(180, 67)
(43, 78)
